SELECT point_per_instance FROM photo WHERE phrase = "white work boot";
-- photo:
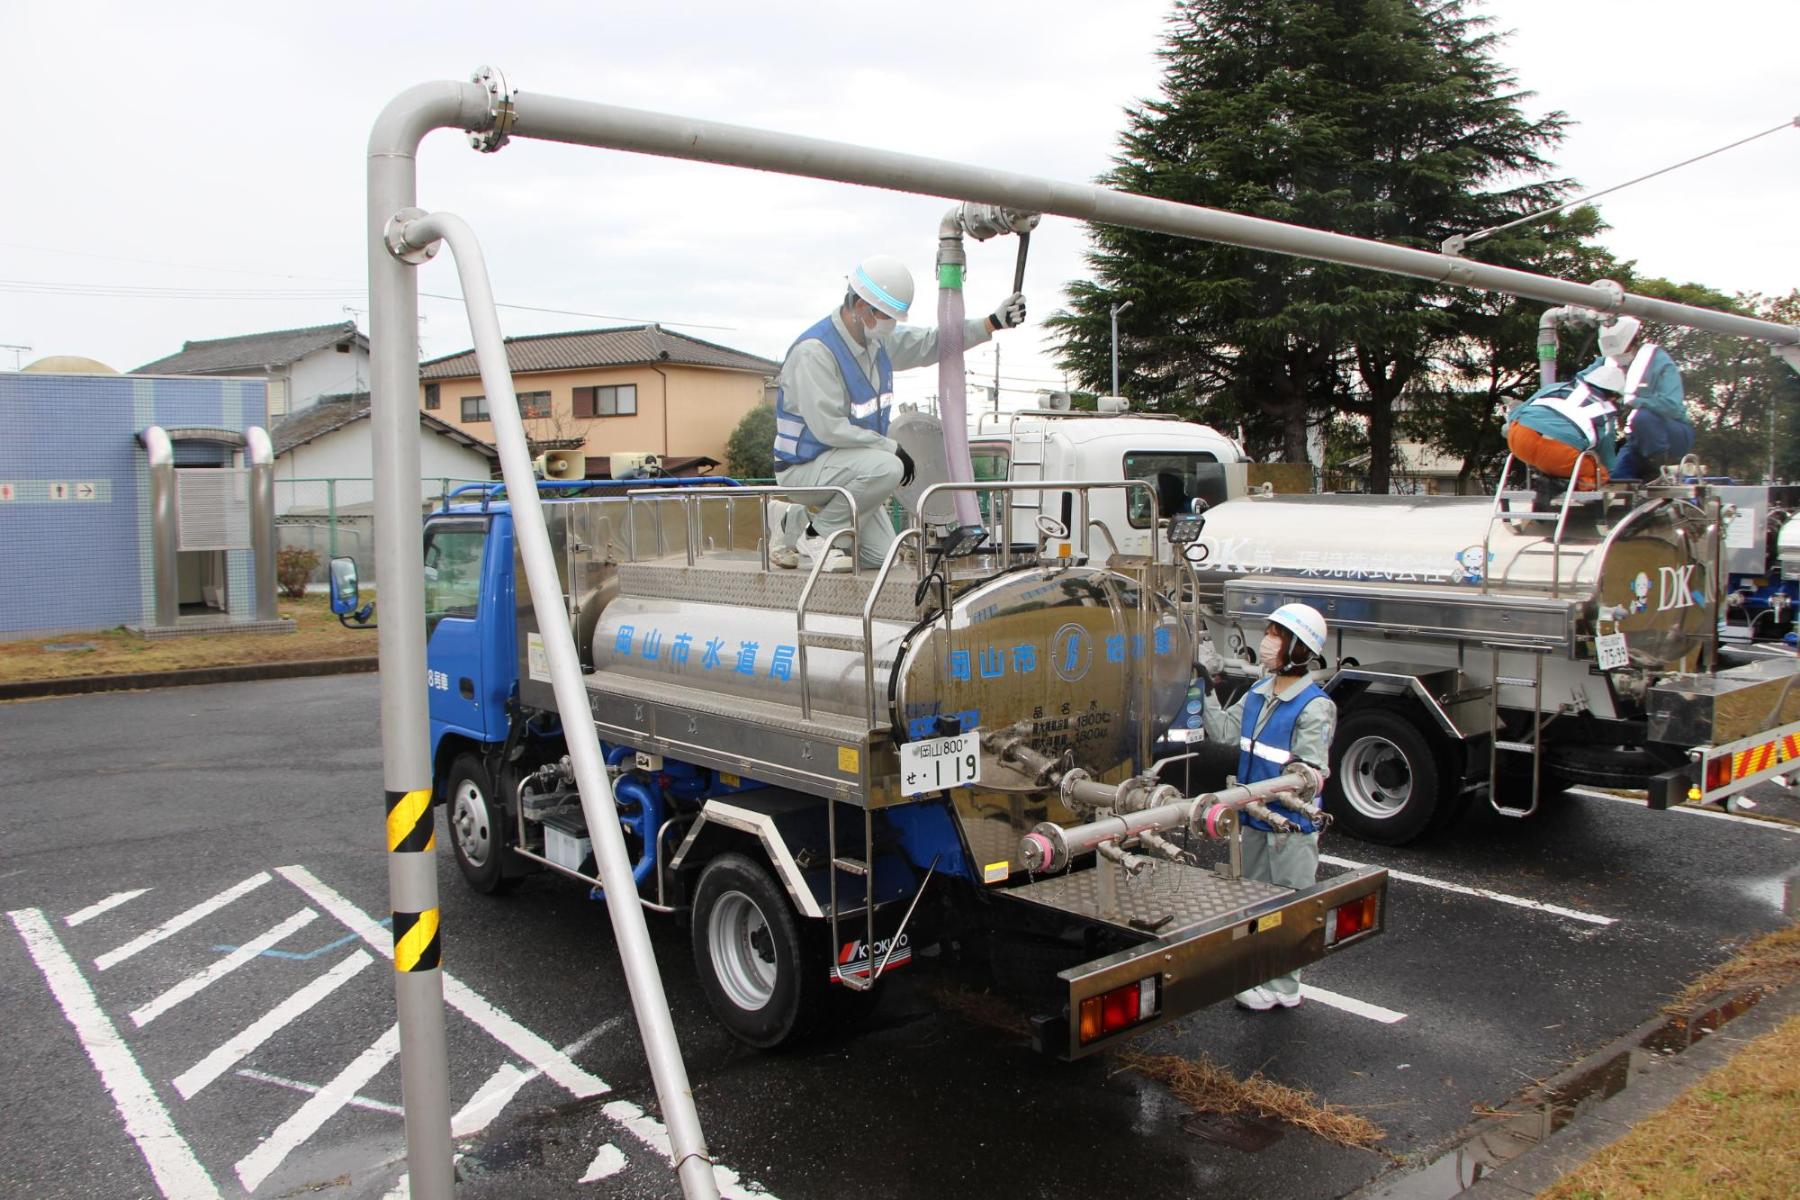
(785, 557)
(836, 561)
(1257, 999)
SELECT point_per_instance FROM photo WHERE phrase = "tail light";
(1352, 919)
(1718, 772)
(1121, 1008)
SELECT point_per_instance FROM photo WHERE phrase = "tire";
(1385, 782)
(477, 826)
(1603, 766)
(764, 975)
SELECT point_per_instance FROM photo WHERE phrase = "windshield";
(1179, 477)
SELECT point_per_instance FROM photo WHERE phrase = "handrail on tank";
(764, 492)
(496, 489)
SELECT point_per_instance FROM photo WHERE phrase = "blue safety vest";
(1267, 754)
(869, 403)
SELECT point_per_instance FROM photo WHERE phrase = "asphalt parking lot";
(199, 1000)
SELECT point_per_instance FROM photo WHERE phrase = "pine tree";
(1386, 119)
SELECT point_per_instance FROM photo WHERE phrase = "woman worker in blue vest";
(1283, 717)
(832, 409)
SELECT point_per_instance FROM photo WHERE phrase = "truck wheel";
(477, 830)
(1384, 777)
(764, 977)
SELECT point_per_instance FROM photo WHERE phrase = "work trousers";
(1652, 441)
(1553, 458)
(869, 475)
(1288, 860)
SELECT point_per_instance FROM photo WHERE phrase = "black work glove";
(906, 465)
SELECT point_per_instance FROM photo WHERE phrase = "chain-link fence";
(337, 516)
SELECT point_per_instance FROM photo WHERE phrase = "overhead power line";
(1457, 244)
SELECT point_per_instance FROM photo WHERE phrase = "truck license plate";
(938, 763)
(1612, 652)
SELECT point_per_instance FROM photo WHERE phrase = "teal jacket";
(1553, 424)
(1662, 392)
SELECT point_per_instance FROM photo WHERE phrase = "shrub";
(750, 454)
(294, 565)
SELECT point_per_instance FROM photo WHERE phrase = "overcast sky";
(210, 163)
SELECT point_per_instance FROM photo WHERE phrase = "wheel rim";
(1376, 778)
(743, 951)
(469, 821)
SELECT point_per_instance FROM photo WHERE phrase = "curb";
(1560, 1123)
(36, 689)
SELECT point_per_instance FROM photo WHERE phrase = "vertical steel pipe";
(259, 454)
(165, 525)
(400, 573)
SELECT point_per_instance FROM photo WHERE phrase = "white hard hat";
(1615, 339)
(885, 283)
(1607, 375)
(1304, 622)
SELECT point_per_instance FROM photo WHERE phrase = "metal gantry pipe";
(259, 457)
(413, 232)
(165, 524)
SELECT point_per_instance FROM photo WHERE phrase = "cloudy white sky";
(201, 175)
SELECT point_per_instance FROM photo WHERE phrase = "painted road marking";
(227, 1056)
(261, 1162)
(178, 1173)
(194, 984)
(294, 1085)
(175, 925)
(554, 1063)
(609, 1161)
(492, 1097)
(303, 955)
(1690, 810)
(107, 905)
(1351, 1004)
(1573, 914)
(509, 1033)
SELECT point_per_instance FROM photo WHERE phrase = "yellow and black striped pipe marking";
(417, 946)
(409, 825)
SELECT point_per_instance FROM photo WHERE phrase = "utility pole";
(1116, 310)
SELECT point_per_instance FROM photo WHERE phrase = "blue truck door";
(456, 673)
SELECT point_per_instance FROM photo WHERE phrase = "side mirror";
(344, 587)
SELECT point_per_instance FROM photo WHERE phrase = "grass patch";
(1770, 962)
(1734, 1134)
(116, 652)
(1199, 1083)
(1206, 1087)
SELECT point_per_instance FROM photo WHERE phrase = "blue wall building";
(76, 504)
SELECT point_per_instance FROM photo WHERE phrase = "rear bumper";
(1208, 962)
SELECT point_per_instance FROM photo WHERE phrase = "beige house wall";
(683, 411)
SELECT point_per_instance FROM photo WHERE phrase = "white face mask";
(1269, 652)
(881, 329)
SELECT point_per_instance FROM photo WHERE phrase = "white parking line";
(1351, 1004)
(178, 1173)
(509, 1033)
(609, 1161)
(261, 1162)
(554, 1063)
(174, 925)
(83, 916)
(227, 1056)
(489, 1099)
(194, 984)
(294, 1085)
(1688, 809)
(1444, 885)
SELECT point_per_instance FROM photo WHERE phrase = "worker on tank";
(832, 409)
(1657, 430)
(1571, 427)
(1285, 717)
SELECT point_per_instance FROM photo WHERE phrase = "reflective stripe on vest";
(1270, 753)
(1640, 367)
(1582, 406)
(869, 403)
